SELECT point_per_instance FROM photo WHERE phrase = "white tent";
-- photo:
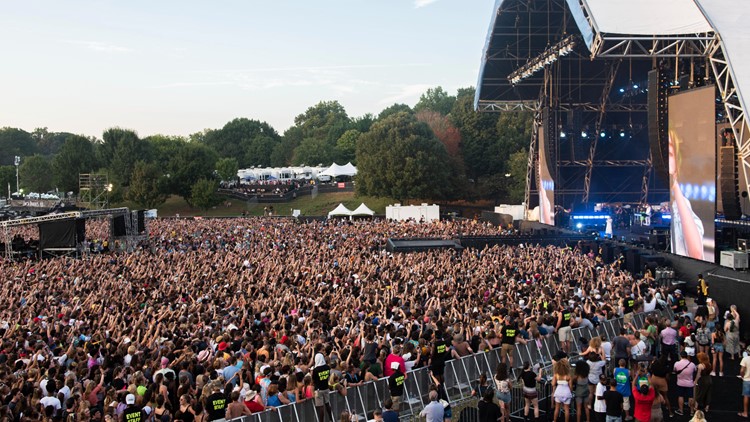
(363, 210)
(336, 170)
(341, 210)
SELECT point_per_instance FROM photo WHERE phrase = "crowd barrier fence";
(461, 376)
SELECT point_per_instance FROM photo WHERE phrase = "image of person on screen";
(687, 228)
(546, 214)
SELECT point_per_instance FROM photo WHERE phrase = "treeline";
(439, 149)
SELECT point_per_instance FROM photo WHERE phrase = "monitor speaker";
(729, 183)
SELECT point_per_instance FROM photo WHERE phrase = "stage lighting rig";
(550, 55)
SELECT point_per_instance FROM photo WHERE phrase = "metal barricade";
(461, 376)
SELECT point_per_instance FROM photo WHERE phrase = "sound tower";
(730, 191)
(658, 88)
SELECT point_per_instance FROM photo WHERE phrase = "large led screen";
(546, 182)
(692, 172)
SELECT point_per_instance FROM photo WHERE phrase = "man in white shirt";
(600, 406)
(745, 374)
(50, 399)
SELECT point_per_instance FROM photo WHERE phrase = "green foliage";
(283, 152)
(318, 129)
(436, 99)
(227, 169)
(7, 176)
(400, 157)
(162, 148)
(346, 147)
(395, 108)
(119, 151)
(517, 165)
(203, 194)
(15, 142)
(146, 186)
(191, 163)
(35, 175)
(363, 123)
(76, 156)
(250, 142)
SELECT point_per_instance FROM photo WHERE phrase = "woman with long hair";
(732, 331)
(582, 393)
(563, 385)
(658, 373)
(502, 390)
(717, 338)
(703, 387)
(530, 394)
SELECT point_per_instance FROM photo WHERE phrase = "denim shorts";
(746, 388)
(718, 348)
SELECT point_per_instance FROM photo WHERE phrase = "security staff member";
(132, 413)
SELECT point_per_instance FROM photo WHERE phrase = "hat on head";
(250, 394)
(147, 410)
(203, 355)
(130, 399)
(678, 291)
(223, 346)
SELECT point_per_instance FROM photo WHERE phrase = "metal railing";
(461, 376)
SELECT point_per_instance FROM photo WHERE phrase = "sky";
(178, 67)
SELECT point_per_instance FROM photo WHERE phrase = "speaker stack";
(729, 181)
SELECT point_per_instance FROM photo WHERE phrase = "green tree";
(478, 139)
(35, 174)
(76, 156)
(15, 142)
(7, 176)
(227, 169)
(313, 151)
(250, 142)
(363, 123)
(436, 99)
(190, 163)
(283, 152)
(146, 186)
(161, 148)
(401, 158)
(107, 150)
(346, 147)
(393, 109)
(517, 165)
(49, 143)
(203, 194)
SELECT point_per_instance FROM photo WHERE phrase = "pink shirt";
(668, 336)
(387, 371)
(684, 370)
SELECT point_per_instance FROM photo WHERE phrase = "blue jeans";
(614, 418)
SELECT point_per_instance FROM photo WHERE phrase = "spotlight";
(635, 86)
(563, 134)
(622, 134)
(602, 135)
(622, 90)
(579, 226)
(584, 134)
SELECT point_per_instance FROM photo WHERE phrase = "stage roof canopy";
(523, 29)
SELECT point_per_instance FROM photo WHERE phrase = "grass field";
(320, 205)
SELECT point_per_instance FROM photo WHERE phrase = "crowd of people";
(220, 318)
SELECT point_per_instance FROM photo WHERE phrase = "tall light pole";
(18, 162)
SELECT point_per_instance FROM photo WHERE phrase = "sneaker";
(713, 373)
(721, 374)
(678, 412)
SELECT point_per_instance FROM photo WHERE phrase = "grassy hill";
(320, 205)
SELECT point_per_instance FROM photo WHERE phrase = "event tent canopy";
(340, 210)
(363, 210)
(336, 170)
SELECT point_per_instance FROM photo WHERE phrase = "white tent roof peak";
(363, 209)
(336, 170)
(340, 210)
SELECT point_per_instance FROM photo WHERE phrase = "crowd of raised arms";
(223, 317)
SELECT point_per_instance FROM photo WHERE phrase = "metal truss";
(731, 97)
(605, 163)
(648, 169)
(105, 212)
(36, 220)
(504, 106)
(613, 68)
(696, 45)
(530, 167)
(501, 106)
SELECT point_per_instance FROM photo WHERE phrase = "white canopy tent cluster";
(342, 211)
(287, 174)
